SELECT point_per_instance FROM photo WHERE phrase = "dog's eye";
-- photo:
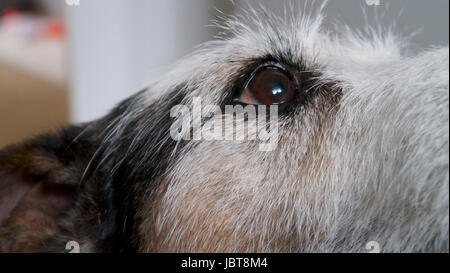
(268, 85)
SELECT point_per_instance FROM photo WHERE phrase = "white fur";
(376, 170)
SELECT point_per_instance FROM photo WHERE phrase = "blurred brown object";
(22, 5)
(29, 105)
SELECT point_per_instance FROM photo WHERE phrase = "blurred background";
(67, 61)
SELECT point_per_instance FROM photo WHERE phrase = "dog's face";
(359, 153)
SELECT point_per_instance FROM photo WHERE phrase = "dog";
(360, 156)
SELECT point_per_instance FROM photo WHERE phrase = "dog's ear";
(39, 181)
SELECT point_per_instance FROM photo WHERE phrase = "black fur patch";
(109, 164)
(128, 167)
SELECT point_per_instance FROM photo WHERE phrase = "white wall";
(115, 44)
(431, 17)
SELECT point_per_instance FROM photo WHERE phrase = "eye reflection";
(277, 88)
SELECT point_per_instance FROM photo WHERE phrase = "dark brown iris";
(269, 85)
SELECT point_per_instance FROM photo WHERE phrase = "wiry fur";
(364, 159)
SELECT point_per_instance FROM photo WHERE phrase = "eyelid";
(246, 97)
(264, 66)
